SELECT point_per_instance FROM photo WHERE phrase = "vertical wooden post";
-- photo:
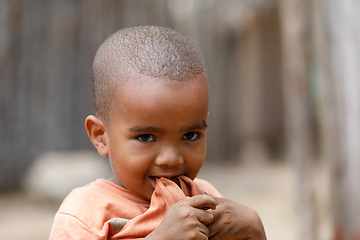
(339, 51)
(295, 22)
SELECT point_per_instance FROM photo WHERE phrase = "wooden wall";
(46, 52)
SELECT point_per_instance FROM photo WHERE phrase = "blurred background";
(284, 124)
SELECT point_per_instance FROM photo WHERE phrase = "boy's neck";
(116, 181)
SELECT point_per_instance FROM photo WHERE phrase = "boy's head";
(153, 51)
(151, 99)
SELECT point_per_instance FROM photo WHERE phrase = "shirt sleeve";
(207, 187)
(67, 226)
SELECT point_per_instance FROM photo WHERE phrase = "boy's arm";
(66, 227)
(235, 221)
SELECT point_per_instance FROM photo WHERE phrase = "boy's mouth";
(175, 179)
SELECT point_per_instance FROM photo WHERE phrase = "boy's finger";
(202, 202)
(204, 216)
(214, 229)
(215, 213)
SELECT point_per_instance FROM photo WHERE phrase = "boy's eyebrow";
(202, 125)
(142, 129)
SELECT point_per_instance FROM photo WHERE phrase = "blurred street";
(283, 75)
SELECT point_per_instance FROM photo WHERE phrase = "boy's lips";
(172, 178)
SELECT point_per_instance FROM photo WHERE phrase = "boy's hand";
(187, 219)
(235, 221)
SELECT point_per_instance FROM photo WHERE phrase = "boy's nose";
(169, 156)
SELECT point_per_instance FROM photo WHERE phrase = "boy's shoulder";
(102, 197)
(87, 209)
(207, 187)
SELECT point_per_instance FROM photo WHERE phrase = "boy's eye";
(191, 136)
(146, 138)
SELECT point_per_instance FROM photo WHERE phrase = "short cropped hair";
(153, 51)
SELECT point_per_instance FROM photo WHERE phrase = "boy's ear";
(96, 130)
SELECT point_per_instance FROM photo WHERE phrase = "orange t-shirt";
(103, 210)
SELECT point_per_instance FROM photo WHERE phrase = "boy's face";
(157, 129)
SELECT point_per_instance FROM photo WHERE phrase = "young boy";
(151, 102)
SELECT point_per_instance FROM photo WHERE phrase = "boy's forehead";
(150, 87)
(139, 81)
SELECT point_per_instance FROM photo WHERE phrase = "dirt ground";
(268, 189)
